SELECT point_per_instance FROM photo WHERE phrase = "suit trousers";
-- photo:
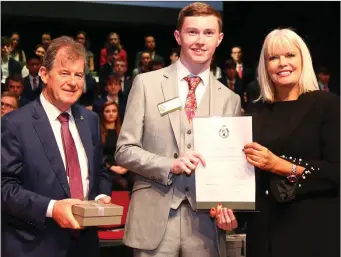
(188, 233)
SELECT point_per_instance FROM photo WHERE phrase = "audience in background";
(113, 40)
(155, 65)
(244, 73)
(82, 38)
(174, 55)
(9, 102)
(143, 67)
(33, 85)
(9, 66)
(150, 47)
(323, 76)
(17, 52)
(15, 85)
(46, 40)
(40, 51)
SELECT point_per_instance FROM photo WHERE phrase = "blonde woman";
(296, 153)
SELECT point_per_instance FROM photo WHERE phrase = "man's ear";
(44, 74)
(177, 37)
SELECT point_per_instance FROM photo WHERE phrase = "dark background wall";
(245, 23)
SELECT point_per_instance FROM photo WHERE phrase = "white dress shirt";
(4, 70)
(122, 83)
(183, 72)
(52, 114)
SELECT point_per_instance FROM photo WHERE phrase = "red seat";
(116, 232)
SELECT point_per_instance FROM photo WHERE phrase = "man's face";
(323, 77)
(46, 40)
(173, 57)
(231, 73)
(198, 37)
(145, 59)
(120, 68)
(236, 54)
(5, 50)
(65, 82)
(15, 87)
(81, 39)
(8, 104)
(150, 43)
(33, 66)
(113, 87)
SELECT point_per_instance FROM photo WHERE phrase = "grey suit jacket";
(148, 144)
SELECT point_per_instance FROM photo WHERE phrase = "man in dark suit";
(114, 94)
(244, 73)
(15, 85)
(120, 69)
(33, 84)
(149, 43)
(51, 159)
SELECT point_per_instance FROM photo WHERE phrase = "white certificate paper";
(227, 178)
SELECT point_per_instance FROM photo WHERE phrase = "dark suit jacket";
(127, 87)
(30, 94)
(309, 135)
(103, 75)
(33, 173)
(89, 96)
(122, 103)
(23, 101)
(238, 87)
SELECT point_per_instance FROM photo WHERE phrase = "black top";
(109, 147)
(302, 219)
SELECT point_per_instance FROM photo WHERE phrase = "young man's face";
(15, 87)
(120, 68)
(199, 37)
(113, 87)
(236, 54)
(145, 59)
(150, 43)
(33, 66)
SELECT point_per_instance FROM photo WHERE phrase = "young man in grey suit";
(156, 143)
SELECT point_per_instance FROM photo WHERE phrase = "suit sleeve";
(15, 200)
(129, 152)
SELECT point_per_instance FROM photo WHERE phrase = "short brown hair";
(75, 51)
(198, 9)
(11, 94)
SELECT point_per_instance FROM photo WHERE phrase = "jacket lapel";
(216, 99)
(44, 131)
(86, 137)
(170, 90)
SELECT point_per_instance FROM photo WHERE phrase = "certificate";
(227, 178)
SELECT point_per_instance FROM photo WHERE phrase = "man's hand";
(224, 217)
(187, 163)
(119, 170)
(62, 213)
(105, 199)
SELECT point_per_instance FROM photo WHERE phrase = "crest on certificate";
(224, 132)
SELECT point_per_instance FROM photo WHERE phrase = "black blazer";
(30, 94)
(33, 173)
(297, 220)
(238, 87)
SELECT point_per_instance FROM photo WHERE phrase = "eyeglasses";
(8, 106)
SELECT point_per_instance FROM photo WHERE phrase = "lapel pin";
(82, 118)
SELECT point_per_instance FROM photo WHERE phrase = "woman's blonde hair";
(284, 39)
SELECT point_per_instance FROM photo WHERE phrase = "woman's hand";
(119, 170)
(261, 157)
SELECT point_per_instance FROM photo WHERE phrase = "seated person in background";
(114, 94)
(323, 76)
(120, 69)
(9, 102)
(15, 85)
(232, 81)
(155, 65)
(144, 62)
(40, 51)
(9, 66)
(82, 38)
(17, 52)
(174, 55)
(113, 40)
(110, 128)
(33, 85)
(150, 47)
(46, 40)
(108, 67)
(215, 69)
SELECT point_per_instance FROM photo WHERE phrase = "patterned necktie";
(35, 85)
(191, 101)
(73, 169)
(240, 71)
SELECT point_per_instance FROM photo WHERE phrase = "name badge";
(169, 106)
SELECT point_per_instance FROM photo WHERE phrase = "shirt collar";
(52, 111)
(182, 72)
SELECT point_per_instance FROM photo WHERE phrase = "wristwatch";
(292, 178)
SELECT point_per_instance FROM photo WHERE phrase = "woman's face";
(40, 51)
(114, 39)
(285, 67)
(110, 113)
(15, 40)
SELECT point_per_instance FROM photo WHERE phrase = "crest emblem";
(224, 132)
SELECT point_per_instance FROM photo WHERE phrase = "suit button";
(189, 132)
(189, 146)
(176, 155)
(186, 189)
